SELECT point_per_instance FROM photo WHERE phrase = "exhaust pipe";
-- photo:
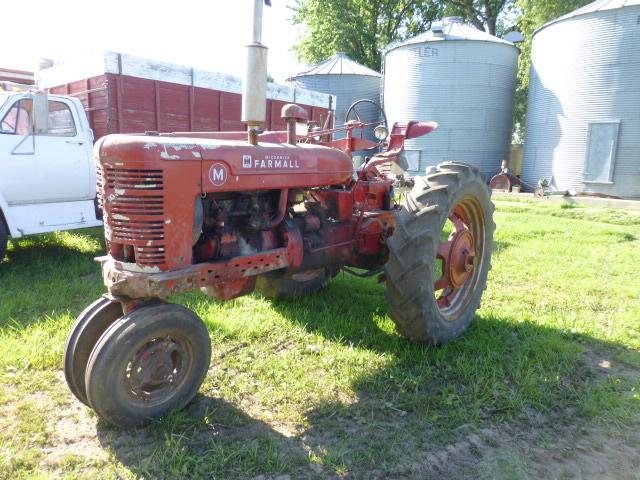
(254, 87)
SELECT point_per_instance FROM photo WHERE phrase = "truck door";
(53, 166)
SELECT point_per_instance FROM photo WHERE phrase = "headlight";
(381, 132)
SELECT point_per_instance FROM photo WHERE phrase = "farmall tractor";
(279, 211)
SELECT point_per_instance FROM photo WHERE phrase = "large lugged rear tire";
(434, 283)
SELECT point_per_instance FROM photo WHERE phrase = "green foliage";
(533, 15)
(360, 28)
(483, 14)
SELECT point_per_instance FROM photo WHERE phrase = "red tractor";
(282, 212)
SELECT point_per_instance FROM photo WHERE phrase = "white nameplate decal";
(271, 162)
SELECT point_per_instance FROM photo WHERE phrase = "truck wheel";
(4, 238)
(89, 327)
(297, 285)
(440, 254)
(153, 360)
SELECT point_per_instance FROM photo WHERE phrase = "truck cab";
(47, 170)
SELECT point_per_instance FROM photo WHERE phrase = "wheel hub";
(156, 368)
(460, 259)
(458, 256)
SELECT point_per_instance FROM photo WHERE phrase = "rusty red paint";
(151, 282)
(151, 185)
(457, 255)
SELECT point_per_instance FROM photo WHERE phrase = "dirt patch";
(554, 445)
(74, 433)
(509, 451)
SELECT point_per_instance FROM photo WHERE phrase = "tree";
(533, 14)
(360, 28)
(482, 14)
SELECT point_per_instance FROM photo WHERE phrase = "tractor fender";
(5, 214)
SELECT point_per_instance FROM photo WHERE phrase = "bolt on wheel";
(158, 369)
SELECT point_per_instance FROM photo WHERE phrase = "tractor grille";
(135, 203)
(134, 178)
(99, 186)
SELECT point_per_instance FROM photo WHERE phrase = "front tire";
(88, 328)
(150, 362)
(435, 282)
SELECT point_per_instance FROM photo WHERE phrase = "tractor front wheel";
(88, 328)
(150, 362)
(440, 254)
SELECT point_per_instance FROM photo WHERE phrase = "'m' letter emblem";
(218, 174)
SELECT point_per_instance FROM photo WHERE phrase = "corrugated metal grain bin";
(583, 116)
(348, 81)
(127, 94)
(462, 78)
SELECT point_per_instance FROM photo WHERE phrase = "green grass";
(324, 385)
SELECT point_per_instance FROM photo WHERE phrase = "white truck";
(47, 169)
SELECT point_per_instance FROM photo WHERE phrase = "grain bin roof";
(339, 64)
(597, 6)
(450, 28)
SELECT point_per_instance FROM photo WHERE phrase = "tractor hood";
(230, 165)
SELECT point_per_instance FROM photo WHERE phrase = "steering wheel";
(363, 107)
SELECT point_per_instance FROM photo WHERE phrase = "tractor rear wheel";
(88, 328)
(297, 285)
(440, 254)
(153, 360)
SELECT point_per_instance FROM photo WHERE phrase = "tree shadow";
(45, 275)
(48, 251)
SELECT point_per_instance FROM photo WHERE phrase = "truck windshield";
(3, 98)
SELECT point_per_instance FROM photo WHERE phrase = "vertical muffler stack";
(254, 87)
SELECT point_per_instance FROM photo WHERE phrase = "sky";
(206, 34)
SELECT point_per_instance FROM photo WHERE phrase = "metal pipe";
(254, 86)
(282, 208)
(257, 7)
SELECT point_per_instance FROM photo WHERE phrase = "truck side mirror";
(40, 112)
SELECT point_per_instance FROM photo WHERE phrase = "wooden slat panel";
(206, 107)
(232, 112)
(140, 106)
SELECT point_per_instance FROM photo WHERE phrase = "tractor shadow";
(210, 438)
(503, 388)
(510, 380)
(427, 413)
